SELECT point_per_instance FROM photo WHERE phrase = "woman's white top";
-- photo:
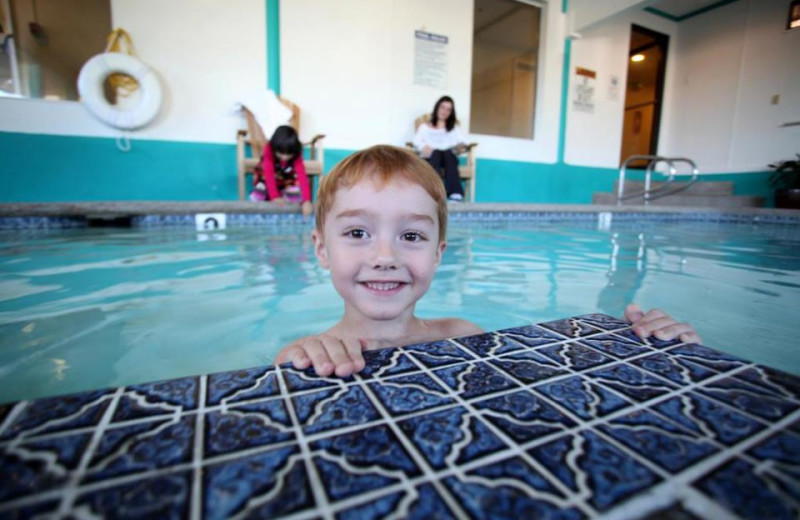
(437, 138)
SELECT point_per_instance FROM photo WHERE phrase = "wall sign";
(430, 59)
(583, 99)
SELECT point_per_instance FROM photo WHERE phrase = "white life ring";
(90, 86)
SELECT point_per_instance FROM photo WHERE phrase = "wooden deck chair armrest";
(241, 133)
(316, 138)
(470, 146)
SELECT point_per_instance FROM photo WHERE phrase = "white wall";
(352, 74)
(595, 139)
(723, 67)
(584, 13)
(731, 62)
(206, 53)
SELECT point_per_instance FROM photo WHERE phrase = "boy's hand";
(657, 323)
(327, 354)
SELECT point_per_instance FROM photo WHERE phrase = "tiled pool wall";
(601, 217)
(571, 419)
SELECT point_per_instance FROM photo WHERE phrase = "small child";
(283, 175)
(380, 229)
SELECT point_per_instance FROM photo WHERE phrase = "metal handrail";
(663, 191)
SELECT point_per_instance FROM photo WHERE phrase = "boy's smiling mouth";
(383, 287)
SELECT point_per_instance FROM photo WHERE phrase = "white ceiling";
(683, 8)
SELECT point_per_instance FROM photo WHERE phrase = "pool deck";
(570, 419)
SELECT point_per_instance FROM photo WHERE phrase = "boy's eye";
(356, 233)
(412, 236)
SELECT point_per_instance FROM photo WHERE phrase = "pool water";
(92, 308)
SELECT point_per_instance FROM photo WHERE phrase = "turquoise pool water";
(90, 308)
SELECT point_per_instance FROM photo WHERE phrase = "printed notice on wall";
(583, 99)
(430, 59)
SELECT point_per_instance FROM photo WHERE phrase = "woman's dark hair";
(285, 140)
(451, 121)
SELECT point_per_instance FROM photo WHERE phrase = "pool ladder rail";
(667, 189)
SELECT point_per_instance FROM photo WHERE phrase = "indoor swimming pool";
(92, 308)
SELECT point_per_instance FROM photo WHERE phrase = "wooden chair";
(466, 171)
(254, 138)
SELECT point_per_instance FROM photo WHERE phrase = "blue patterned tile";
(582, 397)
(164, 496)
(510, 488)
(782, 452)
(369, 459)
(528, 366)
(632, 382)
(262, 485)
(610, 475)
(489, 344)
(299, 380)
(780, 384)
(58, 414)
(165, 397)
(406, 394)
(571, 327)
(650, 340)
(248, 426)
(450, 437)
(523, 416)
(42, 509)
(708, 418)
(240, 385)
(659, 440)
(421, 502)
(752, 495)
(441, 430)
(39, 465)
(575, 356)
(386, 362)
(603, 321)
(707, 357)
(676, 369)
(333, 408)
(474, 379)
(141, 447)
(438, 354)
(750, 398)
(616, 346)
(530, 336)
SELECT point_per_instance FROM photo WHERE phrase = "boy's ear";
(319, 248)
(440, 251)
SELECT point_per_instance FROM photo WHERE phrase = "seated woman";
(438, 141)
(282, 177)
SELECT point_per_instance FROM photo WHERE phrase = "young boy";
(381, 220)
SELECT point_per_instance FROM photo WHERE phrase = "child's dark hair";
(451, 121)
(285, 140)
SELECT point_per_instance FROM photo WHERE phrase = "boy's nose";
(384, 256)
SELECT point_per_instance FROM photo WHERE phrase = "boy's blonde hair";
(382, 163)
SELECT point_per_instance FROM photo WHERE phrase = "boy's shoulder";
(452, 327)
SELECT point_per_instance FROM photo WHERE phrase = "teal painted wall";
(55, 168)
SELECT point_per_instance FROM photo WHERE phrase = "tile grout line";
(71, 488)
(196, 504)
(317, 489)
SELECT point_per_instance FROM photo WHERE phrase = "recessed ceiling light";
(637, 57)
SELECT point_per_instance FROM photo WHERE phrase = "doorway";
(647, 63)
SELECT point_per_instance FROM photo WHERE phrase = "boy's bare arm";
(659, 324)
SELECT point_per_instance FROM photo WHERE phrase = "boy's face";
(382, 247)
